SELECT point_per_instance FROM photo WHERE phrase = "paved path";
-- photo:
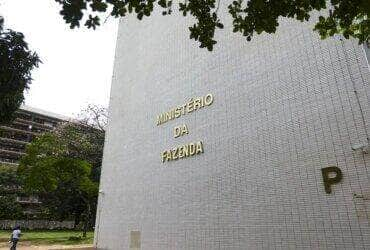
(25, 246)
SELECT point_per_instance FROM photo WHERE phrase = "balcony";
(6, 128)
(46, 125)
(10, 152)
(28, 200)
(8, 163)
(14, 141)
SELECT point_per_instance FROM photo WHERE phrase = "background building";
(29, 122)
(14, 137)
(285, 107)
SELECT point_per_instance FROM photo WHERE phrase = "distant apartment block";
(29, 123)
(14, 137)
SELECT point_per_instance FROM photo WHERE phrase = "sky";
(77, 64)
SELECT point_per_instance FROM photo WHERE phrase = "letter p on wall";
(331, 176)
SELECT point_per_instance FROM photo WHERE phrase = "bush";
(75, 238)
(9, 208)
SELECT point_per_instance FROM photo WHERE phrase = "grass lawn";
(51, 237)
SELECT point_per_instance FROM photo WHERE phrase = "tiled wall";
(285, 107)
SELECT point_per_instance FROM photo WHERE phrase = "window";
(367, 51)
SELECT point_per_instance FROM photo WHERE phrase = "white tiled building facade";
(285, 106)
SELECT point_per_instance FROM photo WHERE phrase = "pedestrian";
(14, 238)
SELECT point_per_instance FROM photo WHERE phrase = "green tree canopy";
(63, 166)
(347, 17)
(9, 189)
(84, 139)
(64, 184)
(16, 64)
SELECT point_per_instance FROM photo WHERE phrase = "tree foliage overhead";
(16, 64)
(347, 17)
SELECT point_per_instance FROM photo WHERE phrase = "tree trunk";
(87, 220)
(85, 228)
(77, 220)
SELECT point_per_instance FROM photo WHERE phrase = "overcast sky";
(77, 64)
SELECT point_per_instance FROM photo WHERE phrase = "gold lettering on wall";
(187, 108)
(182, 151)
(189, 149)
(331, 180)
(180, 130)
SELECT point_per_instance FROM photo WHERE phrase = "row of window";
(367, 51)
